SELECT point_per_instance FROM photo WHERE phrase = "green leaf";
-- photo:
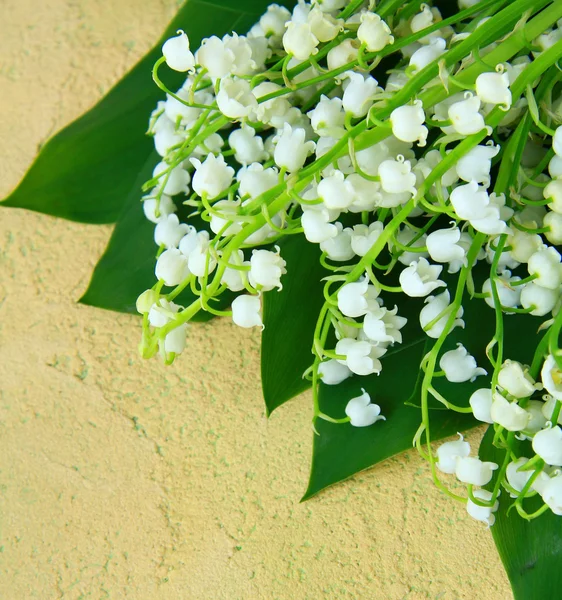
(86, 171)
(127, 267)
(290, 318)
(531, 551)
(341, 450)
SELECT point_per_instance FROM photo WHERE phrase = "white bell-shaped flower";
(427, 54)
(316, 224)
(336, 192)
(374, 32)
(216, 57)
(551, 376)
(515, 380)
(172, 182)
(472, 470)
(333, 372)
(167, 136)
(448, 453)
(537, 420)
(408, 123)
(517, 479)
(170, 231)
(243, 52)
(291, 149)
(248, 147)
(272, 22)
(509, 295)
(460, 366)
(493, 88)
(235, 99)
(200, 260)
(548, 407)
(299, 41)
(171, 267)
(557, 141)
(343, 54)
(361, 412)
(246, 311)
(330, 5)
(146, 301)
(328, 118)
(324, 27)
(266, 269)
(405, 236)
(552, 494)
(396, 176)
(553, 192)
(189, 241)
(548, 445)
(357, 298)
(482, 513)
(212, 177)
(555, 167)
(224, 220)
(367, 193)
(176, 340)
(364, 236)
(443, 247)
(470, 201)
(523, 245)
(545, 264)
(361, 357)
(435, 306)
(254, 180)
(465, 116)
(509, 414)
(233, 278)
(162, 312)
(481, 404)
(553, 221)
(164, 207)
(275, 111)
(420, 278)
(339, 248)
(383, 326)
(359, 93)
(496, 215)
(177, 53)
(475, 165)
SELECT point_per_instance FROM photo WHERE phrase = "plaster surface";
(127, 479)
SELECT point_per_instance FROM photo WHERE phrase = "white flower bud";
(481, 404)
(442, 245)
(254, 180)
(551, 376)
(332, 372)
(543, 299)
(508, 294)
(171, 267)
(248, 147)
(374, 32)
(176, 340)
(515, 380)
(545, 263)
(465, 116)
(552, 494)
(357, 298)
(361, 412)
(165, 207)
(408, 123)
(174, 181)
(553, 220)
(474, 471)
(328, 118)
(212, 177)
(435, 306)
(146, 300)
(336, 192)
(169, 232)
(475, 165)
(448, 453)
(361, 357)
(509, 414)
(420, 278)
(548, 445)
(291, 149)
(557, 141)
(555, 167)
(162, 312)
(342, 54)
(363, 237)
(493, 88)
(177, 54)
(359, 93)
(299, 40)
(246, 311)
(460, 366)
(396, 176)
(553, 192)
(427, 54)
(266, 269)
(482, 513)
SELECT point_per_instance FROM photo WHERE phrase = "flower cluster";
(414, 152)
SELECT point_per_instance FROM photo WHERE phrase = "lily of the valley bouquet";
(378, 187)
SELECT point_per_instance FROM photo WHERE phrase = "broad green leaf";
(531, 551)
(341, 450)
(290, 318)
(127, 267)
(86, 171)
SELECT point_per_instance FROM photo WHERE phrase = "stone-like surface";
(126, 479)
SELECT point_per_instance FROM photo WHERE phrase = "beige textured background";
(126, 479)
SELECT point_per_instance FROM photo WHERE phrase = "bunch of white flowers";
(409, 149)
